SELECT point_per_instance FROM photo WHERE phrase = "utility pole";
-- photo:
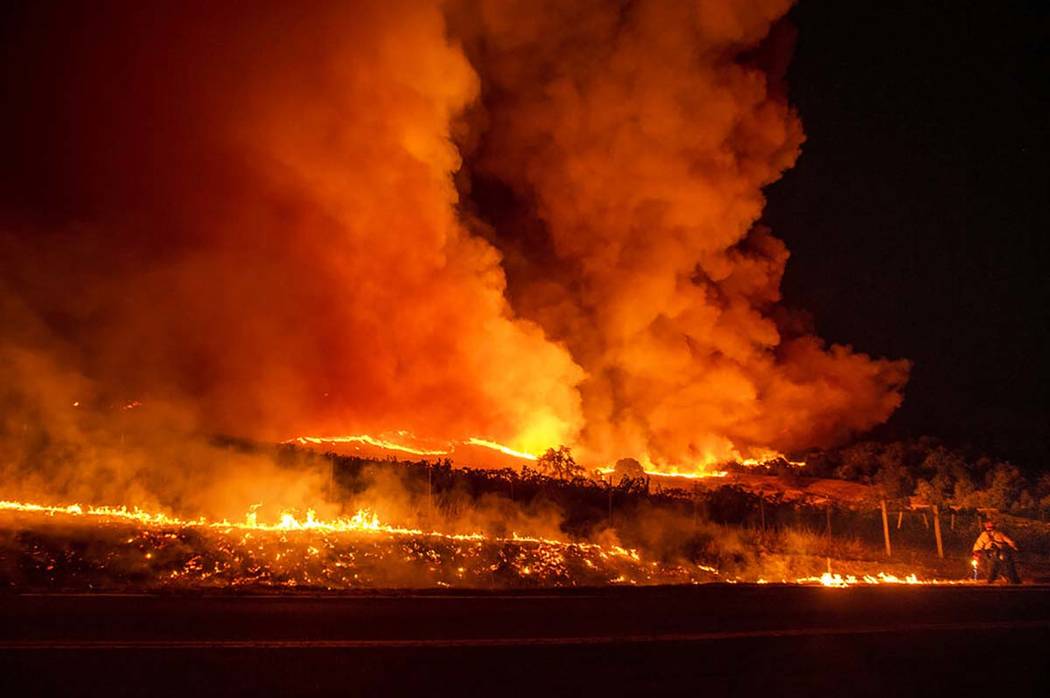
(886, 528)
(937, 531)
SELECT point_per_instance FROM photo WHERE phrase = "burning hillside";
(473, 452)
(100, 548)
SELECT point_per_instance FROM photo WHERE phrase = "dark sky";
(917, 215)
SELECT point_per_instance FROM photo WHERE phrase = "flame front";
(382, 443)
(160, 551)
(363, 521)
(404, 442)
(400, 442)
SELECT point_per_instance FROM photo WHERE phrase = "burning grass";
(77, 548)
(107, 549)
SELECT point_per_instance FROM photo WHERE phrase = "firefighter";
(998, 550)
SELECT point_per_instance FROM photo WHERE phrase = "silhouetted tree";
(559, 463)
(929, 493)
(859, 462)
(1005, 485)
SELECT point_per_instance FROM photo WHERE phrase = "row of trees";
(935, 473)
(924, 468)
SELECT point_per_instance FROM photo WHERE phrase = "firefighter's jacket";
(993, 540)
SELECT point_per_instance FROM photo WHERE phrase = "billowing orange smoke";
(249, 215)
(256, 218)
(636, 139)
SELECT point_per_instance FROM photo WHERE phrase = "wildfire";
(712, 465)
(685, 476)
(839, 581)
(123, 513)
(406, 442)
(352, 551)
(401, 442)
(473, 441)
(363, 521)
(708, 466)
(370, 440)
(121, 548)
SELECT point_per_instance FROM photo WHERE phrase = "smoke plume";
(632, 141)
(250, 210)
(245, 219)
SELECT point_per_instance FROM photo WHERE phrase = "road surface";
(700, 641)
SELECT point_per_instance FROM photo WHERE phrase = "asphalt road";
(710, 640)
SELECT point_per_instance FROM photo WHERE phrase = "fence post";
(886, 528)
(430, 491)
(937, 530)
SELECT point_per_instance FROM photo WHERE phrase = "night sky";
(917, 215)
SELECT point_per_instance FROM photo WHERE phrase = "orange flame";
(370, 440)
(841, 581)
(363, 521)
(473, 441)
